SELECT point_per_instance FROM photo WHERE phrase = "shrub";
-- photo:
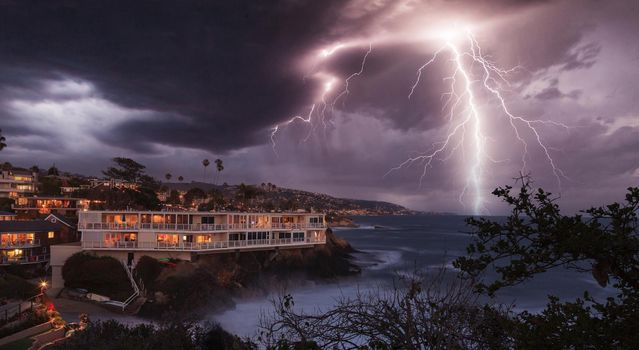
(98, 274)
(148, 269)
(175, 335)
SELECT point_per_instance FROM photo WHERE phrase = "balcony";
(102, 226)
(203, 247)
(34, 259)
(30, 243)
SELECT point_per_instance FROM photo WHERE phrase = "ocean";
(396, 245)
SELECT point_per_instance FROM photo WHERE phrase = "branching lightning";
(490, 80)
(324, 100)
(474, 77)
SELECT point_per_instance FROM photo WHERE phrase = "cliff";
(210, 283)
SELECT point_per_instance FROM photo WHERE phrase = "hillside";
(270, 197)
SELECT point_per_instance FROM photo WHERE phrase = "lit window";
(51, 234)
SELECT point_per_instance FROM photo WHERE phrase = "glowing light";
(288, 122)
(489, 80)
(328, 52)
(323, 100)
(474, 78)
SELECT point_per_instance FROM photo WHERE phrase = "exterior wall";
(17, 182)
(60, 254)
(198, 232)
(36, 252)
(33, 207)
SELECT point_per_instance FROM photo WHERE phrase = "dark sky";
(172, 83)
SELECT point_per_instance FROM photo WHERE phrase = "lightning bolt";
(346, 91)
(325, 99)
(276, 128)
(491, 79)
(474, 77)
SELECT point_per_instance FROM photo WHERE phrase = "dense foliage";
(142, 197)
(103, 275)
(535, 238)
(112, 335)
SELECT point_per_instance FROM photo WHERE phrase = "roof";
(7, 213)
(53, 218)
(56, 198)
(28, 226)
(21, 171)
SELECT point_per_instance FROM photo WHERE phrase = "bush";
(114, 335)
(148, 269)
(98, 274)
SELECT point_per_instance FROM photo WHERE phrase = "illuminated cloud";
(171, 84)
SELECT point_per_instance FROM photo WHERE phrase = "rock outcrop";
(212, 281)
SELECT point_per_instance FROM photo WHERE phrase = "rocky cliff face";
(210, 282)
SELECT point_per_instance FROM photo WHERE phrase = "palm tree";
(2, 141)
(180, 178)
(219, 167)
(206, 163)
(168, 176)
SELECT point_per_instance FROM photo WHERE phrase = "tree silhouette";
(206, 163)
(2, 141)
(219, 166)
(168, 176)
(53, 171)
(180, 178)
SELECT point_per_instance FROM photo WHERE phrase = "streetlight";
(43, 286)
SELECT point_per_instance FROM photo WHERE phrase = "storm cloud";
(169, 83)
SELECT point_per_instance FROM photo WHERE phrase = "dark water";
(400, 244)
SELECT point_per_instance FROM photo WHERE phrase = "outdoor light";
(43, 286)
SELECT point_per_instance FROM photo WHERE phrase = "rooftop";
(27, 226)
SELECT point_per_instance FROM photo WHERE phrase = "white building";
(15, 183)
(129, 235)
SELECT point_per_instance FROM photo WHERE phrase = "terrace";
(204, 246)
(101, 226)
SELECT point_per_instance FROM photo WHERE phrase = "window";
(237, 237)
(285, 235)
(298, 235)
(203, 238)
(258, 235)
(51, 234)
(317, 220)
(208, 220)
(168, 238)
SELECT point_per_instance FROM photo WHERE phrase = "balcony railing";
(30, 243)
(5, 260)
(196, 227)
(203, 246)
(49, 207)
